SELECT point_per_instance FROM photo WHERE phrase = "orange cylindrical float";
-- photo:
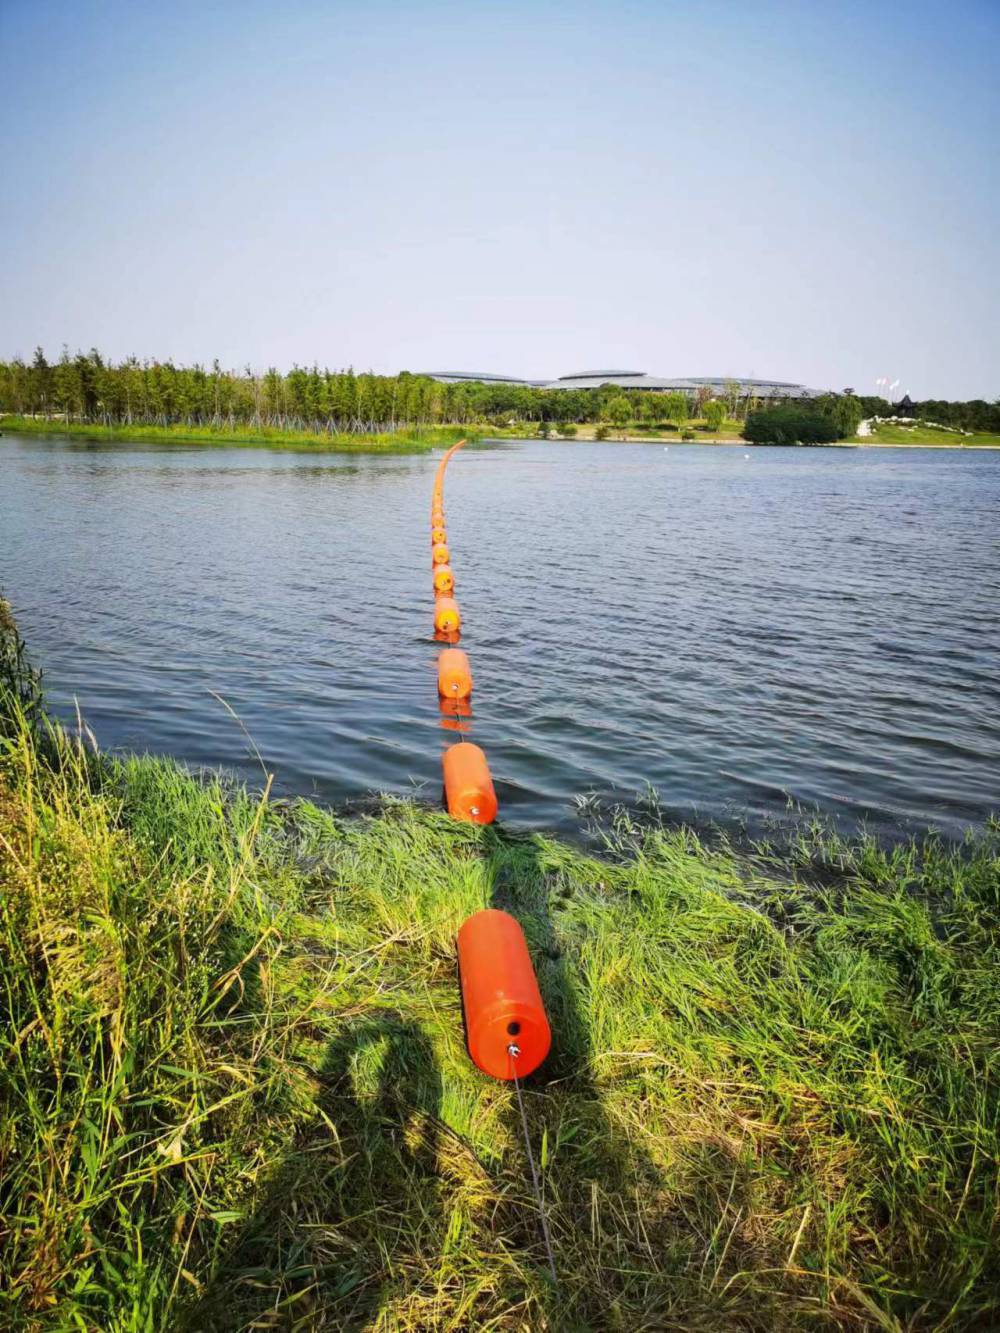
(444, 579)
(447, 617)
(468, 787)
(503, 1006)
(438, 536)
(454, 674)
(440, 554)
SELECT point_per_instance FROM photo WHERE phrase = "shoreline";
(748, 444)
(412, 440)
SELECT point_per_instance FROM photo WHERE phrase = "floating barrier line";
(507, 1029)
(468, 785)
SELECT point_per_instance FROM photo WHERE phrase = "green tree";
(789, 425)
(66, 385)
(41, 383)
(619, 412)
(715, 414)
(675, 408)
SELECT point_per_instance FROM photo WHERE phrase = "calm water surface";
(820, 625)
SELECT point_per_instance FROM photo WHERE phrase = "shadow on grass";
(357, 1219)
(591, 1169)
(637, 1244)
(353, 1210)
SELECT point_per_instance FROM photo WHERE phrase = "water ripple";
(820, 627)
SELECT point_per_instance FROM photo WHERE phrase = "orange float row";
(468, 786)
(507, 1031)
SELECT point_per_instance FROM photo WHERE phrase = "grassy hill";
(234, 1091)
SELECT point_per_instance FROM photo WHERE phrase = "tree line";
(89, 387)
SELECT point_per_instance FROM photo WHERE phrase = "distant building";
(904, 408)
(714, 386)
(478, 377)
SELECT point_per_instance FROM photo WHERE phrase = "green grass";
(635, 430)
(234, 1092)
(411, 440)
(928, 435)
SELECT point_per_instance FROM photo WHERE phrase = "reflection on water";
(819, 625)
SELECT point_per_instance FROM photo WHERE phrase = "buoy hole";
(513, 1029)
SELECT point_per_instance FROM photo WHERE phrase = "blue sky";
(800, 190)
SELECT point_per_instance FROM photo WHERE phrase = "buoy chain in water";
(507, 1029)
(468, 786)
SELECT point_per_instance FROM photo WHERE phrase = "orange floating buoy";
(439, 554)
(444, 579)
(468, 786)
(447, 617)
(454, 674)
(503, 1006)
(438, 534)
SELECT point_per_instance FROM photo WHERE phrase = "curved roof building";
(691, 384)
(717, 385)
(478, 377)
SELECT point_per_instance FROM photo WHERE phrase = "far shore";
(923, 438)
(425, 439)
(410, 440)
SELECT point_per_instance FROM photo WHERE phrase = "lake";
(737, 628)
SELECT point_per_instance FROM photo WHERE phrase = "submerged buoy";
(454, 674)
(447, 617)
(468, 787)
(503, 1006)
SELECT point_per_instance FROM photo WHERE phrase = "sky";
(782, 188)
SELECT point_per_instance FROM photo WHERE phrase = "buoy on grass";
(503, 1005)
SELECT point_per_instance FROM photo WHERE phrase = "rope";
(514, 1052)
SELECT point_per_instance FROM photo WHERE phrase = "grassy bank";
(234, 1093)
(634, 432)
(411, 440)
(888, 436)
(927, 437)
